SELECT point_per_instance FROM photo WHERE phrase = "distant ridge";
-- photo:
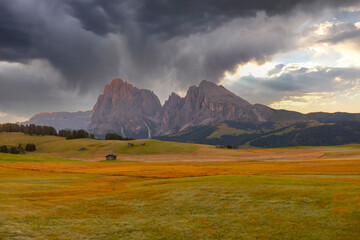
(62, 120)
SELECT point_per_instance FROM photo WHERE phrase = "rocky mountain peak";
(135, 112)
(173, 98)
(120, 89)
(174, 95)
(207, 84)
(127, 110)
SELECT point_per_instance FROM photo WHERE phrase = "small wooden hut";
(111, 157)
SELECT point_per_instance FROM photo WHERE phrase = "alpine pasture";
(166, 190)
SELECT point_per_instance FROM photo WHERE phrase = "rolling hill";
(247, 135)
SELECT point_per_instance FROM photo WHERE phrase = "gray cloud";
(42, 30)
(27, 90)
(171, 18)
(162, 45)
(297, 82)
(343, 36)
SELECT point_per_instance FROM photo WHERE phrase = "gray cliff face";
(170, 117)
(133, 112)
(126, 110)
(62, 120)
(206, 104)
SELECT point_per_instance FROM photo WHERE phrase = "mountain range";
(208, 113)
(130, 111)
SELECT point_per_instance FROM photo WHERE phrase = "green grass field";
(60, 147)
(44, 196)
(225, 129)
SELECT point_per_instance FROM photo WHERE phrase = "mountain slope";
(328, 134)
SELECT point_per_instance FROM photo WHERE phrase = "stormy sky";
(302, 55)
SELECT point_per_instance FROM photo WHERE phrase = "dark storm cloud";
(172, 18)
(157, 34)
(41, 30)
(16, 33)
(75, 36)
(157, 44)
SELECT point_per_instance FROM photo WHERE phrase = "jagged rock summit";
(133, 112)
(126, 110)
(205, 104)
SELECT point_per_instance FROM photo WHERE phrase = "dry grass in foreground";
(49, 205)
(195, 192)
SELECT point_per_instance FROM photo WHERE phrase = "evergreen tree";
(21, 149)
(114, 136)
(4, 149)
(30, 147)
(14, 150)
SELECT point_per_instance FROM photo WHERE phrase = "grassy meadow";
(166, 190)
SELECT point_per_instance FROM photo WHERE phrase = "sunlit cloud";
(320, 74)
(303, 102)
(248, 69)
(2, 114)
(353, 8)
(181, 93)
(8, 117)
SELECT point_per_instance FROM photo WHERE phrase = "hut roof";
(111, 155)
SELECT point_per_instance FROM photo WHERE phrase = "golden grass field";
(167, 190)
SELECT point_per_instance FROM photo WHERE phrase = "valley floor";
(307, 193)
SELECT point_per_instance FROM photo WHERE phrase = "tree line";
(75, 134)
(114, 136)
(30, 147)
(31, 129)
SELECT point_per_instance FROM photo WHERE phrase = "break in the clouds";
(58, 55)
(294, 86)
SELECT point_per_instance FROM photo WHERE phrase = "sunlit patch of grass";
(214, 207)
(176, 170)
(225, 129)
(19, 158)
